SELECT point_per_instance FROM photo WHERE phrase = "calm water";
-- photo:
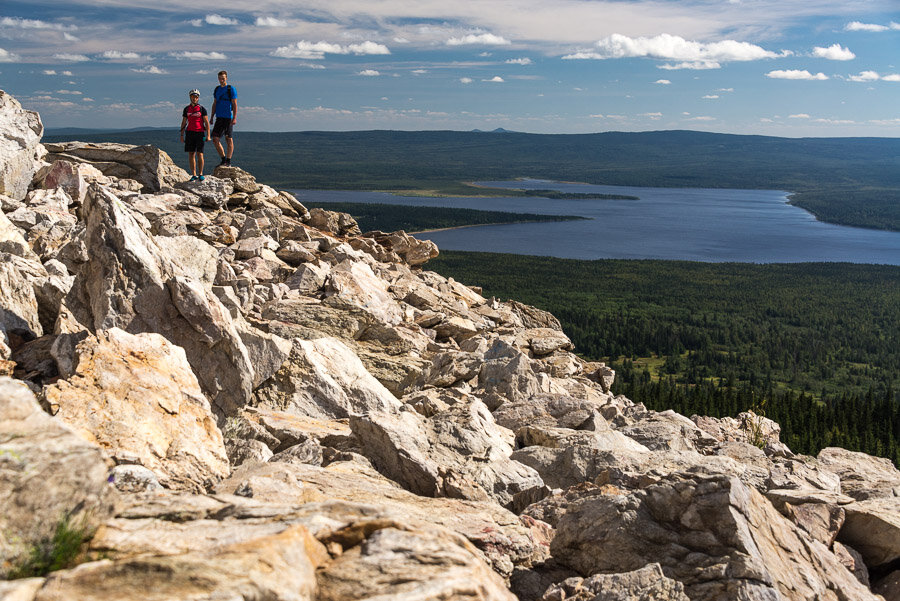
(755, 226)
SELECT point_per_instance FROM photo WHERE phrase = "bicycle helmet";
(194, 92)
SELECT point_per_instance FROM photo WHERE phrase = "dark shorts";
(193, 141)
(222, 127)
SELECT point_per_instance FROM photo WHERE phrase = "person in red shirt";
(194, 132)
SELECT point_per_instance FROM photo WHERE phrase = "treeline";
(556, 195)
(710, 338)
(864, 170)
(390, 218)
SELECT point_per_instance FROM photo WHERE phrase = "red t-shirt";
(194, 114)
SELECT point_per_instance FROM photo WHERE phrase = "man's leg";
(230, 142)
(200, 162)
(192, 162)
(219, 148)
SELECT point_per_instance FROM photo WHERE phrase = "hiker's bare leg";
(219, 148)
(230, 142)
(192, 162)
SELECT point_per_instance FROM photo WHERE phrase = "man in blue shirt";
(224, 108)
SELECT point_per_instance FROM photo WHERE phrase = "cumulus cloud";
(484, 39)
(494, 79)
(891, 77)
(49, 72)
(198, 56)
(369, 73)
(835, 52)
(663, 82)
(115, 55)
(151, 70)
(799, 116)
(694, 55)
(72, 58)
(465, 80)
(20, 23)
(696, 65)
(215, 19)
(317, 50)
(857, 26)
(711, 97)
(519, 61)
(71, 92)
(270, 22)
(653, 116)
(796, 74)
(7, 57)
(865, 76)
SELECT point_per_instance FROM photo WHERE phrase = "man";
(194, 132)
(224, 108)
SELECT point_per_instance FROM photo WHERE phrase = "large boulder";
(48, 475)
(20, 146)
(149, 165)
(136, 396)
(720, 538)
(862, 476)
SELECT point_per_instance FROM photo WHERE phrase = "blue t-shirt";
(223, 96)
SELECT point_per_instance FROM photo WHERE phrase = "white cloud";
(796, 74)
(198, 56)
(857, 26)
(835, 52)
(66, 73)
(891, 77)
(49, 72)
(711, 97)
(114, 55)
(317, 50)
(663, 82)
(725, 90)
(654, 116)
(519, 61)
(369, 73)
(19, 23)
(494, 79)
(697, 65)
(70, 38)
(400, 40)
(151, 70)
(835, 121)
(465, 80)
(865, 76)
(215, 19)
(196, 22)
(270, 22)
(799, 116)
(72, 92)
(72, 58)
(672, 47)
(419, 71)
(702, 118)
(488, 39)
(8, 57)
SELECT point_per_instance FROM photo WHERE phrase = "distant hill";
(853, 181)
(86, 131)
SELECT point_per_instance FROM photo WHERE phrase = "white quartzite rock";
(20, 146)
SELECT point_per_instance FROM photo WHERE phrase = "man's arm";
(206, 125)
(183, 125)
(234, 110)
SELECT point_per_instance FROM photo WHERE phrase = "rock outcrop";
(228, 396)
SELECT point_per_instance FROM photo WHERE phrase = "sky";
(794, 68)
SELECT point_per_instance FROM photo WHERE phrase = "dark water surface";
(714, 225)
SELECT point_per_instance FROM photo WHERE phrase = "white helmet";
(194, 92)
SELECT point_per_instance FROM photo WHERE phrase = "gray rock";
(862, 476)
(20, 147)
(646, 584)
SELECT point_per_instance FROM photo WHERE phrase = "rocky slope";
(227, 396)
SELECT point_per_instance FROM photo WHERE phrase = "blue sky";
(770, 67)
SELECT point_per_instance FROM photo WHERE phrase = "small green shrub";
(58, 552)
(755, 426)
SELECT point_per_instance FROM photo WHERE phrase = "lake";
(712, 225)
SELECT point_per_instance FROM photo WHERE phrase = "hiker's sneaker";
(201, 178)
(224, 162)
(227, 162)
(193, 178)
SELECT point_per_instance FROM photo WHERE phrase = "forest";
(852, 181)
(816, 346)
(390, 218)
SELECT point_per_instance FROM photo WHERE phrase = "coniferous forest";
(814, 346)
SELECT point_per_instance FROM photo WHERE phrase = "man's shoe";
(224, 161)
(228, 162)
(201, 178)
(193, 178)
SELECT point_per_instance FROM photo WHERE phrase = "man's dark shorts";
(222, 127)
(193, 141)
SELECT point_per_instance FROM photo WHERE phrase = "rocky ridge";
(232, 397)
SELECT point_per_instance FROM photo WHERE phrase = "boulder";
(872, 527)
(718, 537)
(150, 166)
(20, 146)
(48, 474)
(136, 396)
(648, 583)
(862, 476)
(458, 453)
(18, 304)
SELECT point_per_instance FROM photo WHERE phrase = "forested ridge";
(815, 345)
(853, 181)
